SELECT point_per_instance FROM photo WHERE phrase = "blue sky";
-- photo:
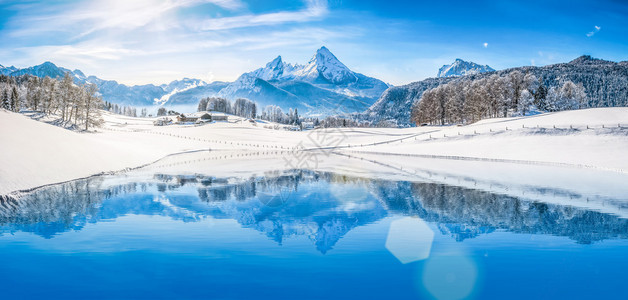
(157, 41)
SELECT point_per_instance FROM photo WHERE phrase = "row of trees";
(241, 107)
(75, 104)
(467, 101)
(124, 110)
(273, 113)
(246, 108)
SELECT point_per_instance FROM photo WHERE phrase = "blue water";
(302, 235)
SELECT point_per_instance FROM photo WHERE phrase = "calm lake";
(309, 234)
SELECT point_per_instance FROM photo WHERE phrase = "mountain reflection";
(318, 205)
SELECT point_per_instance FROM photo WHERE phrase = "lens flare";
(450, 277)
(409, 239)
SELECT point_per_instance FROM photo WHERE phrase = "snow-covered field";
(34, 153)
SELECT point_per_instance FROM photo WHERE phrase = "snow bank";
(34, 153)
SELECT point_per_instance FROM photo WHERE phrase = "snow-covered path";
(33, 153)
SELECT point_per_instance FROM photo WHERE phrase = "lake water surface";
(303, 234)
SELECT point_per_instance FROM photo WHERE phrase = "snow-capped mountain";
(461, 68)
(324, 67)
(326, 71)
(277, 69)
(323, 86)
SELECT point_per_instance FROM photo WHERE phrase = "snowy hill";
(126, 142)
(604, 82)
(461, 68)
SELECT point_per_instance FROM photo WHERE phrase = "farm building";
(182, 118)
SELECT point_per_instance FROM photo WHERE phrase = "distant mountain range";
(461, 68)
(323, 86)
(112, 91)
(605, 82)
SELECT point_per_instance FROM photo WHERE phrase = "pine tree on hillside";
(540, 96)
(296, 117)
(15, 105)
(91, 106)
(5, 100)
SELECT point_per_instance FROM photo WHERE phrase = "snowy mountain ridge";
(461, 68)
(322, 86)
(604, 82)
(111, 90)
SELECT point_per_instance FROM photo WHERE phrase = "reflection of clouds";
(450, 277)
(409, 239)
(275, 197)
(352, 194)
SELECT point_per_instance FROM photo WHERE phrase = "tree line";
(249, 109)
(124, 110)
(467, 100)
(241, 107)
(76, 105)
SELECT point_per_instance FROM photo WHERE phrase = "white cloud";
(596, 30)
(314, 9)
(485, 45)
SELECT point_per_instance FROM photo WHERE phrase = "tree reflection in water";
(298, 203)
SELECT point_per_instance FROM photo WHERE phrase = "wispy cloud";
(314, 9)
(93, 16)
(596, 30)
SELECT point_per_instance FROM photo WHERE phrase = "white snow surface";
(34, 153)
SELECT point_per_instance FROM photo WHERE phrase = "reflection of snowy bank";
(603, 191)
